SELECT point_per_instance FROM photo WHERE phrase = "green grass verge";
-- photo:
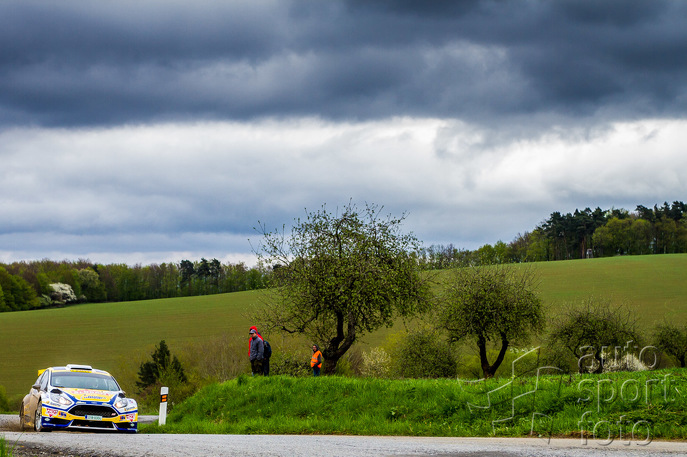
(105, 334)
(6, 450)
(649, 403)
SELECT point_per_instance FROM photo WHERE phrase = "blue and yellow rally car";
(77, 397)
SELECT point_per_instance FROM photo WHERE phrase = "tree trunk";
(489, 370)
(337, 346)
(329, 366)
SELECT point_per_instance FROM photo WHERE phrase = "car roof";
(75, 368)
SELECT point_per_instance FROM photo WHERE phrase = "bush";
(290, 364)
(672, 340)
(628, 362)
(587, 331)
(423, 355)
(62, 293)
(376, 363)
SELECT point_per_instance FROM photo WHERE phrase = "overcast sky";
(157, 130)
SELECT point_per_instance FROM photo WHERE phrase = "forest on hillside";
(584, 233)
(46, 283)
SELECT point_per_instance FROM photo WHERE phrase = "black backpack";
(267, 349)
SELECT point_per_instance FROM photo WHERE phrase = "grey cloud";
(484, 62)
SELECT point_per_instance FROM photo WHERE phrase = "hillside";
(654, 287)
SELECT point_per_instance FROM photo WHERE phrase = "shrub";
(628, 362)
(423, 355)
(290, 364)
(62, 293)
(376, 363)
(672, 340)
(587, 331)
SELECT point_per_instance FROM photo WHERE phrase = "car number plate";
(94, 418)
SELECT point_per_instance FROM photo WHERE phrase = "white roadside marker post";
(162, 418)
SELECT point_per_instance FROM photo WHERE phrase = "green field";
(653, 287)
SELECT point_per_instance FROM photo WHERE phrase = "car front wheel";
(37, 420)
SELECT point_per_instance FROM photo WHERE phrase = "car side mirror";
(37, 386)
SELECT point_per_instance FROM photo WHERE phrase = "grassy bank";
(648, 403)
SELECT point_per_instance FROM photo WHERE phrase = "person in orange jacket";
(316, 360)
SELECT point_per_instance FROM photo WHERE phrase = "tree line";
(31, 285)
(581, 234)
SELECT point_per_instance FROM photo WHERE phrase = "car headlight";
(60, 399)
(122, 403)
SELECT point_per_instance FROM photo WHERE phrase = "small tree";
(591, 332)
(491, 304)
(163, 364)
(672, 340)
(338, 277)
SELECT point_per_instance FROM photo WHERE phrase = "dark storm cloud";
(100, 63)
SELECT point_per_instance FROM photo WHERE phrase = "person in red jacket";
(256, 354)
(266, 360)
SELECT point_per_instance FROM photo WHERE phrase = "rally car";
(77, 397)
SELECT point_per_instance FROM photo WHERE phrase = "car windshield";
(78, 380)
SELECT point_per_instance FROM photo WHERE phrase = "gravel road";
(142, 445)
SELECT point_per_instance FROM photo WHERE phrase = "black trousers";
(256, 367)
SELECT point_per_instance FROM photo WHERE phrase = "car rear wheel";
(22, 419)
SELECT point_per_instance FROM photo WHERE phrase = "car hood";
(90, 395)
